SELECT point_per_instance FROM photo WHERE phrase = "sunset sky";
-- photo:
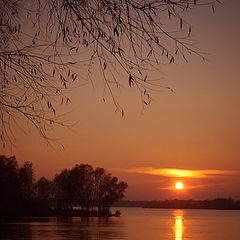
(191, 134)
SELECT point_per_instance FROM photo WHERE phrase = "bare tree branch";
(41, 43)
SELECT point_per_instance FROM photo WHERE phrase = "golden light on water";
(178, 227)
(179, 185)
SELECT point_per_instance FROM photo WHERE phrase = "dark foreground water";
(134, 224)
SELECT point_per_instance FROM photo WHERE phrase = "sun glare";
(179, 185)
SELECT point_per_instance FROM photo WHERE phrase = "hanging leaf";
(181, 23)
(115, 31)
(104, 66)
(189, 31)
(130, 80)
(185, 58)
(149, 53)
(213, 9)
(74, 77)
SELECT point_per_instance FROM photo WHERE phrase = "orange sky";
(196, 127)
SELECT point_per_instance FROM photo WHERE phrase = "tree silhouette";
(26, 179)
(8, 183)
(92, 191)
(16, 184)
(110, 191)
(45, 46)
(63, 190)
(43, 188)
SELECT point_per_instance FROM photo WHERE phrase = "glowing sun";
(179, 185)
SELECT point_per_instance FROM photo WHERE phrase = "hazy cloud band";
(181, 173)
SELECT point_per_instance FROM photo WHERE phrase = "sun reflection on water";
(178, 227)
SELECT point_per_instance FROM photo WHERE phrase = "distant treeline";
(81, 190)
(218, 203)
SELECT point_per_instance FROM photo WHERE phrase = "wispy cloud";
(187, 187)
(181, 173)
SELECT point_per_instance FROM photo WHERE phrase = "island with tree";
(79, 191)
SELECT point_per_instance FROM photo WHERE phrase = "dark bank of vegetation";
(79, 191)
(217, 203)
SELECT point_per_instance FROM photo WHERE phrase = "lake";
(134, 224)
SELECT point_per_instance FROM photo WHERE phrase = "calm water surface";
(134, 224)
